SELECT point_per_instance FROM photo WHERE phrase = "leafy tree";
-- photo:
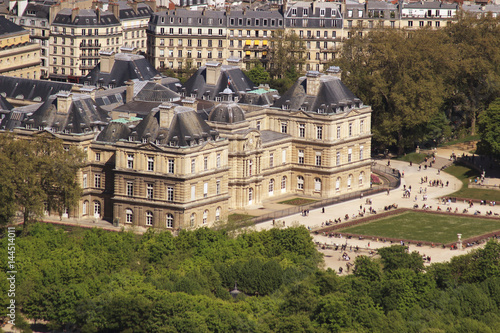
(367, 268)
(397, 257)
(39, 171)
(258, 75)
(288, 54)
(489, 130)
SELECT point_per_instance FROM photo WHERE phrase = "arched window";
(149, 218)
(129, 215)
(217, 214)
(337, 184)
(205, 216)
(283, 184)
(97, 209)
(271, 186)
(317, 184)
(361, 178)
(170, 220)
(85, 207)
(349, 181)
(250, 196)
(300, 182)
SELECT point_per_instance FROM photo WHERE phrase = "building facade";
(18, 56)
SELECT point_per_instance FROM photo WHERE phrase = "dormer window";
(306, 11)
(144, 140)
(294, 11)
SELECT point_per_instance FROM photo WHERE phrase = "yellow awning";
(264, 42)
(248, 42)
(247, 52)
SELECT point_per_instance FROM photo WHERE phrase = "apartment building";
(434, 14)
(18, 56)
(77, 36)
(134, 18)
(320, 26)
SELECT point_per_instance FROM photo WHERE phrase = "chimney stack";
(151, 4)
(107, 61)
(212, 72)
(129, 93)
(167, 112)
(335, 71)
(134, 4)
(115, 9)
(64, 99)
(74, 13)
(190, 102)
(312, 83)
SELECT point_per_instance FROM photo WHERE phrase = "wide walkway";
(421, 193)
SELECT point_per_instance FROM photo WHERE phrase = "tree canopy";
(99, 281)
(37, 173)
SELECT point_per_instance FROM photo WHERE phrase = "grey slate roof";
(194, 18)
(125, 67)
(127, 12)
(4, 104)
(154, 92)
(141, 108)
(83, 115)
(431, 5)
(332, 96)
(227, 112)
(230, 76)
(31, 90)
(259, 97)
(271, 136)
(85, 17)
(38, 9)
(7, 27)
(187, 128)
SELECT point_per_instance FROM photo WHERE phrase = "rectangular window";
(193, 165)
(283, 156)
(301, 156)
(151, 163)
(171, 167)
(149, 191)
(361, 153)
(284, 126)
(205, 163)
(130, 161)
(218, 161)
(250, 165)
(85, 185)
(361, 126)
(350, 129)
(193, 192)
(338, 159)
(97, 181)
(205, 190)
(338, 132)
(349, 155)
(318, 159)
(130, 189)
(217, 187)
(271, 160)
(319, 132)
(302, 130)
(170, 193)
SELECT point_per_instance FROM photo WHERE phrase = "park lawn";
(464, 174)
(464, 139)
(419, 226)
(413, 157)
(298, 201)
(239, 217)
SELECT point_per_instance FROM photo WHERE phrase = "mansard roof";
(331, 95)
(85, 17)
(153, 92)
(126, 67)
(186, 128)
(82, 115)
(38, 9)
(127, 12)
(7, 27)
(261, 96)
(30, 90)
(229, 76)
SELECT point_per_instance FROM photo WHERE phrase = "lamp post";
(459, 244)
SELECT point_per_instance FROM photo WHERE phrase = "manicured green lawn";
(418, 226)
(298, 201)
(464, 174)
(465, 139)
(239, 217)
(413, 157)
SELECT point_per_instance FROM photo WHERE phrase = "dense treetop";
(101, 281)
